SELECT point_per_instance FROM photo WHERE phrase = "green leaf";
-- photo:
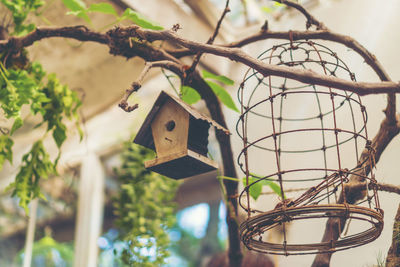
(221, 78)
(267, 9)
(80, 14)
(78, 8)
(23, 203)
(189, 95)
(59, 135)
(6, 144)
(42, 196)
(2, 159)
(255, 189)
(275, 187)
(80, 131)
(17, 124)
(140, 20)
(67, 101)
(223, 95)
(105, 8)
(74, 5)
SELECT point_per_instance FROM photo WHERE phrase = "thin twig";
(388, 188)
(168, 77)
(311, 20)
(196, 59)
(138, 83)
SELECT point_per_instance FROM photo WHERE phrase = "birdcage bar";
(267, 98)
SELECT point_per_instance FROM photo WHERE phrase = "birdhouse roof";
(145, 138)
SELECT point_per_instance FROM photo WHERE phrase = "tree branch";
(388, 188)
(326, 35)
(138, 83)
(306, 76)
(214, 106)
(310, 18)
(354, 190)
(118, 41)
(393, 256)
(79, 32)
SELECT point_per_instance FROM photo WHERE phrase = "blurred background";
(79, 215)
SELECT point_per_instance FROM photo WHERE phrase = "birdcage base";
(255, 226)
(181, 165)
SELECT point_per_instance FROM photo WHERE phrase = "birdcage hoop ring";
(252, 229)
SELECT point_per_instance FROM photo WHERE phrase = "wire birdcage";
(309, 138)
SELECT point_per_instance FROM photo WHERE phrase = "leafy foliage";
(24, 83)
(145, 209)
(53, 102)
(79, 9)
(35, 165)
(48, 252)
(20, 10)
(6, 144)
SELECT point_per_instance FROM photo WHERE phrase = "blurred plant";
(25, 83)
(20, 10)
(49, 253)
(145, 209)
(380, 260)
(79, 9)
(111, 249)
(200, 232)
(187, 247)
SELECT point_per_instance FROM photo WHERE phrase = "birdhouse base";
(181, 165)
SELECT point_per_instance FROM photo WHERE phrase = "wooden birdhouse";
(179, 135)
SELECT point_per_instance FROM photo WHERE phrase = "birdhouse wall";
(198, 136)
(169, 141)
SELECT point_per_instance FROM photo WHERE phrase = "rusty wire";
(330, 121)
